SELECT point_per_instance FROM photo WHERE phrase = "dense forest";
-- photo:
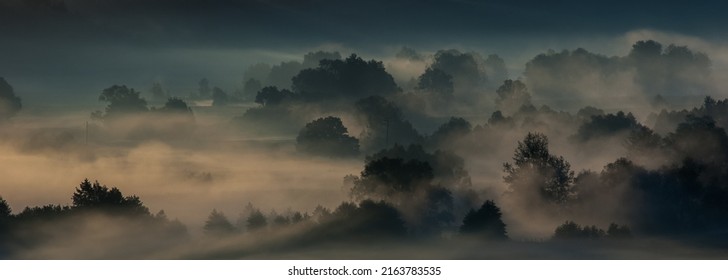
(579, 156)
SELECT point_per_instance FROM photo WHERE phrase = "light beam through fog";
(169, 137)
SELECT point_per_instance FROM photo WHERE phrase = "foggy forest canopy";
(426, 150)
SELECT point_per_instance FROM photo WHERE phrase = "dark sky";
(83, 45)
(247, 23)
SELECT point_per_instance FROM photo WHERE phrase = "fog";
(293, 129)
(221, 171)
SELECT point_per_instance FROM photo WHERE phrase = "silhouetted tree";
(646, 50)
(383, 124)
(5, 210)
(643, 142)
(9, 102)
(5, 216)
(175, 105)
(280, 220)
(437, 82)
(218, 224)
(497, 119)
(272, 96)
(95, 196)
(448, 168)
(674, 69)
(512, 95)
(568, 75)
(352, 78)
(43, 213)
(464, 68)
(370, 221)
(588, 112)
(446, 135)
(568, 230)
(327, 136)
(618, 232)
(386, 177)
(320, 213)
(122, 101)
(278, 113)
(485, 222)
(700, 139)
(256, 221)
(601, 126)
(297, 217)
(572, 230)
(535, 167)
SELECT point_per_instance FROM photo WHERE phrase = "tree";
(607, 125)
(700, 139)
(371, 221)
(570, 75)
(588, 112)
(642, 50)
(5, 210)
(122, 101)
(45, 212)
(535, 167)
(386, 177)
(218, 224)
(617, 231)
(272, 96)
(572, 230)
(485, 222)
(348, 79)
(437, 82)
(10, 103)
(447, 133)
(512, 95)
(448, 168)
(327, 136)
(175, 105)
(97, 197)
(256, 220)
(383, 124)
(5, 216)
(465, 68)
(497, 119)
(280, 220)
(568, 230)
(671, 69)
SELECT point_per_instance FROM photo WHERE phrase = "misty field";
(161, 139)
